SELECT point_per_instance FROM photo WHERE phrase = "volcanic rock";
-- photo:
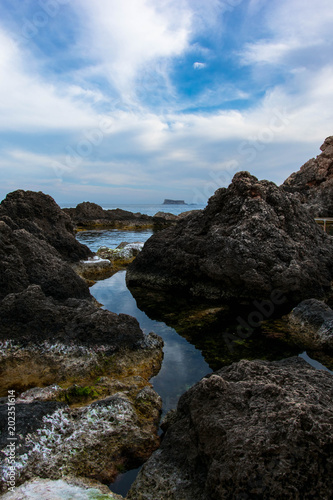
(40, 215)
(314, 182)
(254, 429)
(253, 239)
(312, 319)
(89, 215)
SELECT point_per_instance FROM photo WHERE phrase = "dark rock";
(39, 214)
(173, 202)
(254, 429)
(251, 241)
(31, 316)
(314, 319)
(314, 182)
(91, 216)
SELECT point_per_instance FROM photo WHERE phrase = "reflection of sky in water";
(313, 362)
(183, 364)
(110, 238)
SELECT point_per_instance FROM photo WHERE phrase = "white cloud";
(199, 65)
(127, 36)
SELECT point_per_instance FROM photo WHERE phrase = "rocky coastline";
(80, 374)
(89, 215)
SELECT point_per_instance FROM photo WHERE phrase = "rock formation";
(53, 332)
(251, 241)
(254, 429)
(312, 321)
(89, 215)
(314, 182)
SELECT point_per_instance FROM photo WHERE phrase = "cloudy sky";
(133, 101)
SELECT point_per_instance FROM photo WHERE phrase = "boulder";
(40, 215)
(251, 241)
(254, 429)
(92, 441)
(314, 182)
(312, 320)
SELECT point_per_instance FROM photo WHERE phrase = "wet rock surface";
(254, 429)
(252, 240)
(89, 215)
(313, 183)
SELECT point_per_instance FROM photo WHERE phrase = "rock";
(166, 216)
(314, 182)
(39, 214)
(254, 429)
(26, 259)
(91, 216)
(92, 441)
(94, 268)
(31, 316)
(173, 202)
(64, 488)
(312, 319)
(251, 241)
(123, 254)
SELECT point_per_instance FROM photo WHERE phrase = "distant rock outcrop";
(254, 429)
(314, 182)
(251, 240)
(173, 202)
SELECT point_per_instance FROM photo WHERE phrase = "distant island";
(174, 202)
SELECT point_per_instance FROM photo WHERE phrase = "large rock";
(254, 429)
(314, 182)
(39, 214)
(253, 241)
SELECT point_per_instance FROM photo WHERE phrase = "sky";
(134, 101)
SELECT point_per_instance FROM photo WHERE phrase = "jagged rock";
(26, 259)
(312, 319)
(40, 215)
(314, 182)
(254, 429)
(251, 241)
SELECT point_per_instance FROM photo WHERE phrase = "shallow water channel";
(185, 361)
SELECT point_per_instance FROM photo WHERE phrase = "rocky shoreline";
(80, 374)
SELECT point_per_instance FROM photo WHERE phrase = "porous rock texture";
(53, 332)
(254, 429)
(314, 182)
(40, 215)
(252, 239)
(313, 321)
(93, 441)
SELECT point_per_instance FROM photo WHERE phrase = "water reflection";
(183, 364)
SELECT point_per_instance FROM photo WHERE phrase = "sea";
(185, 361)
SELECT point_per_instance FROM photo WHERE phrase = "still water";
(184, 364)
